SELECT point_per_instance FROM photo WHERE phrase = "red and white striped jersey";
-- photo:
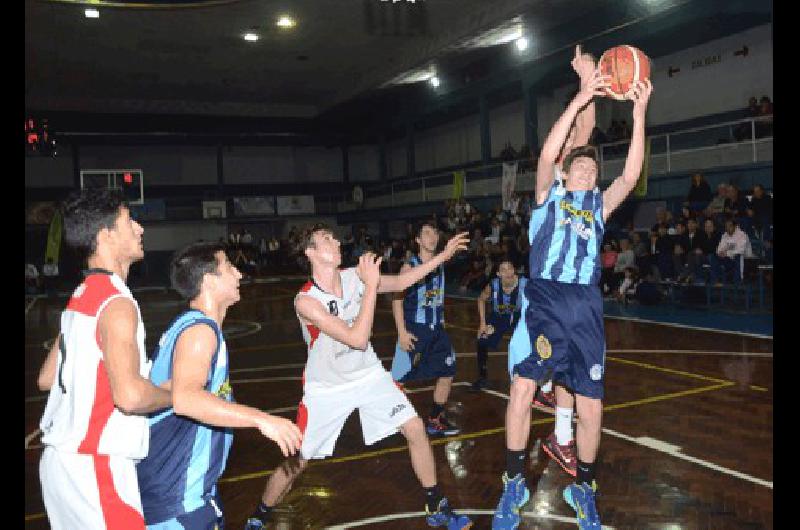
(80, 415)
(331, 363)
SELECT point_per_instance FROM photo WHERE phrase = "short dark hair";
(305, 240)
(190, 264)
(419, 225)
(588, 151)
(88, 211)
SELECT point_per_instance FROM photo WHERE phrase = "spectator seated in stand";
(759, 210)
(728, 260)
(699, 195)
(736, 207)
(627, 287)
(716, 207)
(32, 279)
(765, 121)
(608, 258)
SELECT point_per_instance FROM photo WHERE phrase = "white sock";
(548, 386)
(563, 425)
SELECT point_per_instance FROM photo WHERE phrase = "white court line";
(671, 324)
(686, 326)
(30, 305)
(672, 450)
(467, 511)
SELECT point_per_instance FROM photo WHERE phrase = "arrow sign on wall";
(673, 71)
(743, 52)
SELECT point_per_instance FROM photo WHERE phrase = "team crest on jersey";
(543, 347)
(224, 390)
(333, 309)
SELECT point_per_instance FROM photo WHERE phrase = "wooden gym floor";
(687, 438)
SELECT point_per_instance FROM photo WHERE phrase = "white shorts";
(382, 407)
(90, 491)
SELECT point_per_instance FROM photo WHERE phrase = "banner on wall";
(458, 184)
(295, 204)
(244, 206)
(53, 239)
(509, 182)
(641, 185)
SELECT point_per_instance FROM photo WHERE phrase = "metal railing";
(697, 148)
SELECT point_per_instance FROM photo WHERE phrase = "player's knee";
(588, 408)
(522, 389)
(413, 429)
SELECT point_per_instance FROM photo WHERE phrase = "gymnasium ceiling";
(187, 59)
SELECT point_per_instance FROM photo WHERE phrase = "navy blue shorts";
(565, 329)
(203, 518)
(433, 355)
(501, 324)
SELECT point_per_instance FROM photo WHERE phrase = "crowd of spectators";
(707, 241)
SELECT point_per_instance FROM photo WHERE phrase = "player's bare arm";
(191, 363)
(558, 134)
(408, 276)
(357, 336)
(131, 393)
(584, 66)
(406, 339)
(624, 184)
(482, 299)
(47, 373)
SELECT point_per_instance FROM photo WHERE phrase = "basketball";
(626, 65)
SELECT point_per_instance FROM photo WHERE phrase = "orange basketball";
(626, 65)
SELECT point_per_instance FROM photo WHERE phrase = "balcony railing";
(723, 144)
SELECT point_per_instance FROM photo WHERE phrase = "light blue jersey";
(566, 234)
(179, 474)
(424, 301)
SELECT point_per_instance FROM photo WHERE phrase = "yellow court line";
(759, 388)
(480, 434)
(668, 370)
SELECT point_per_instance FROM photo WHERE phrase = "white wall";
(174, 164)
(454, 143)
(721, 86)
(49, 172)
(364, 163)
(172, 236)
(260, 165)
(396, 158)
(507, 124)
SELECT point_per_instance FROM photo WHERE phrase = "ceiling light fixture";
(434, 81)
(250, 37)
(285, 21)
(522, 43)
(92, 13)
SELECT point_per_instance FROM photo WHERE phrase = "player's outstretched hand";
(482, 331)
(582, 63)
(640, 95)
(456, 243)
(369, 269)
(281, 431)
(593, 85)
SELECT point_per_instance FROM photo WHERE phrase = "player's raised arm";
(622, 185)
(558, 134)
(357, 336)
(584, 65)
(390, 283)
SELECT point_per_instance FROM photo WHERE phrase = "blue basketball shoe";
(515, 496)
(581, 498)
(445, 516)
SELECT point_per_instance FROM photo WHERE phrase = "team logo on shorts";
(543, 347)
(596, 372)
(333, 309)
(449, 360)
